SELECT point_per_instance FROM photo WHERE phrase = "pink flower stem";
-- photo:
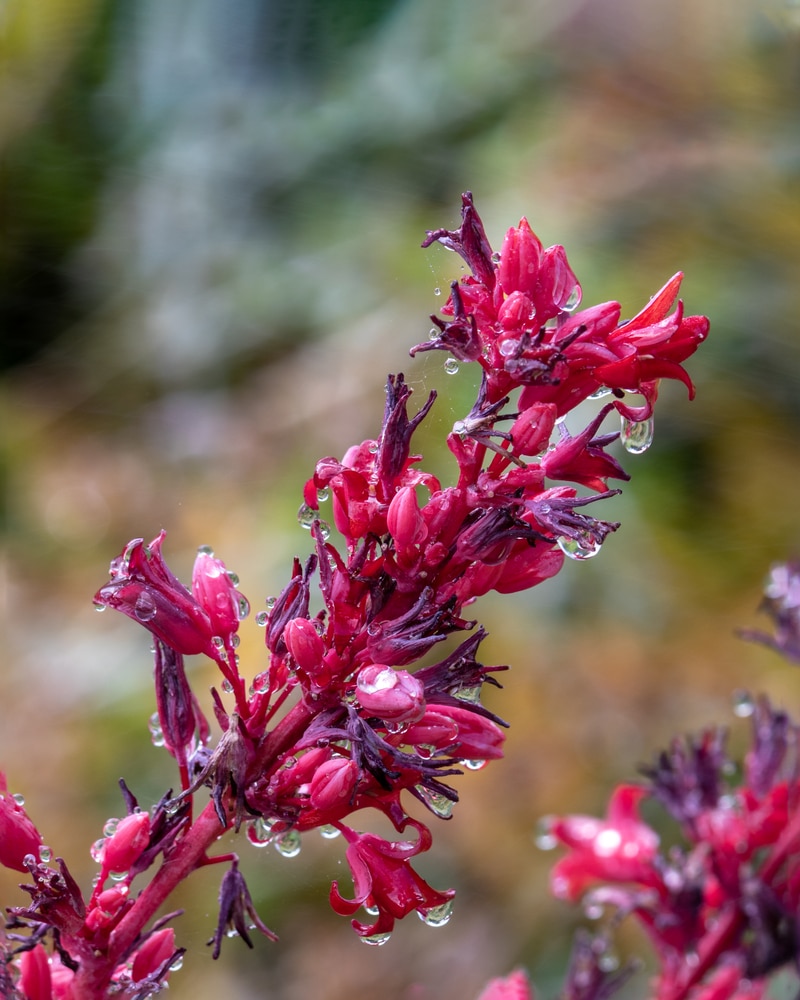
(94, 975)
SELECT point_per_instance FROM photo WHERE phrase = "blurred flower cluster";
(351, 711)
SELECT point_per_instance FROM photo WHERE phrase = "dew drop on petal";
(45, 854)
(145, 607)
(329, 832)
(376, 940)
(97, 850)
(98, 606)
(474, 765)
(242, 607)
(205, 550)
(227, 687)
(584, 546)
(437, 916)
(289, 844)
(601, 393)
(176, 964)
(451, 366)
(573, 299)
(306, 516)
(117, 876)
(508, 347)
(636, 435)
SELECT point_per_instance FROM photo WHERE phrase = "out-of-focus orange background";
(210, 216)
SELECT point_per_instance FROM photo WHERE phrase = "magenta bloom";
(144, 588)
(18, 836)
(384, 879)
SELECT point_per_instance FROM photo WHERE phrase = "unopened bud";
(392, 695)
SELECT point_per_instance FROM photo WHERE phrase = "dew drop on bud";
(743, 706)
(242, 607)
(636, 435)
(19, 798)
(451, 366)
(98, 606)
(205, 550)
(583, 547)
(97, 849)
(437, 916)
(110, 827)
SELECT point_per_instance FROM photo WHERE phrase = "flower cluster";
(343, 717)
(720, 905)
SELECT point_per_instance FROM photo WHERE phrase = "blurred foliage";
(210, 214)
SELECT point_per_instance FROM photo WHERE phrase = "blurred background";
(210, 216)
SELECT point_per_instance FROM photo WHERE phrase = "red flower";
(383, 879)
(18, 836)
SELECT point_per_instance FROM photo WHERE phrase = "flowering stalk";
(367, 730)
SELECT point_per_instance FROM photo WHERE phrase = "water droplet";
(231, 932)
(110, 827)
(508, 347)
(329, 832)
(601, 393)
(271, 602)
(177, 964)
(242, 607)
(18, 798)
(205, 550)
(584, 546)
(451, 366)
(227, 687)
(156, 733)
(306, 516)
(234, 640)
(323, 530)
(322, 494)
(98, 606)
(45, 853)
(234, 578)
(289, 844)
(262, 618)
(636, 435)
(573, 300)
(376, 940)
(97, 850)
(743, 704)
(593, 911)
(259, 832)
(469, 694)
(371, 910)
(473, 765)
(145, 608)
(437, 916)
(608, 962)
(117, 876)
(437, 291)
(545, 839)
(439, 804)
(217, 642)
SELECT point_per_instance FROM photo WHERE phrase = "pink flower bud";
(153, 953)
(519, 259)
(515, 311)
(215, 592)
(129, 840)
(106, 910)
(531, 431)
(405, 522)
(305, 644)
(333, 783)
(35, 974)
(18, 835)
(392, 695)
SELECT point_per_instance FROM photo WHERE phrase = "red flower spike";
(18, 836)
(35, 981)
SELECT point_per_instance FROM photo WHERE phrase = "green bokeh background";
(210, 216)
